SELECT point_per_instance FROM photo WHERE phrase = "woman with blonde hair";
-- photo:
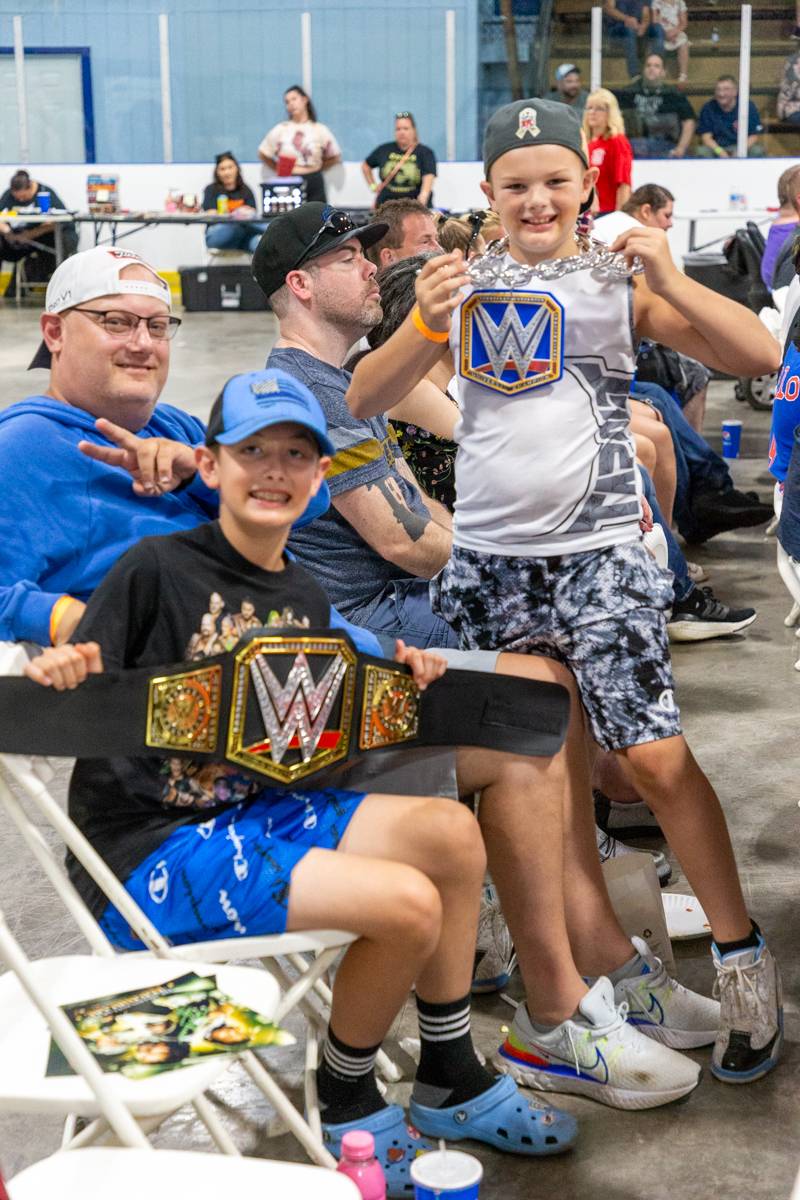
(609, 150)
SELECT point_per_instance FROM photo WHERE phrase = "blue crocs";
(501, 1117)
(397, 1144)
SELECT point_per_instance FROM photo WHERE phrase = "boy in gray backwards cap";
(547, 549)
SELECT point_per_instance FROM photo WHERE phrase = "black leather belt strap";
(285, 705)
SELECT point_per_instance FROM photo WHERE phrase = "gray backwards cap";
(532, 123)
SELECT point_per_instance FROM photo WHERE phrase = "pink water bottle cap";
(358, 1145)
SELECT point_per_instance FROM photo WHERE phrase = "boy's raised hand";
(652, 247)
(64, 667)
(426, 665)
(438, 287)
(155, 464)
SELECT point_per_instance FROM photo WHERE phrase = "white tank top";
(545, 463)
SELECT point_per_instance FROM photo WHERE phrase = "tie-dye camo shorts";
(601, 613)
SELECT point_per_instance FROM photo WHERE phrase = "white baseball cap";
(94, 273)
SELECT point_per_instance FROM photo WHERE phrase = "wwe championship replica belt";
(286, 706)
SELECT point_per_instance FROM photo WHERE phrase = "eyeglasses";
(123, 325)
(333, 221)
(407, 116)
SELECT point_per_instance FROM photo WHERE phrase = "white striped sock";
(348, 1066)
(444, 1029)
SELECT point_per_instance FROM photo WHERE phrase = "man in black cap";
(382, 539)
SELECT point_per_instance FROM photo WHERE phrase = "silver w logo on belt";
(300, 707)
(292, 708)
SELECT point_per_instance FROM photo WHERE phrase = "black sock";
(449, 1071)
(346, 1081)
(748, 943)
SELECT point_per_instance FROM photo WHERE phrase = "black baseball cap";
(303, 234)
(532, 123)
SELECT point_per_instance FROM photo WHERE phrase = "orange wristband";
(56, 613)
(433, 335)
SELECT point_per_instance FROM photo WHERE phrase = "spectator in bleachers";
(671, 15)
(411, 230)
(241, 204)
(609, 150)
(569, 87)
(787, 105)
(785, 223)
(629, 21)
(663, 119)
(406, 168)
(34, 242)
(303, 139)
(719, 123)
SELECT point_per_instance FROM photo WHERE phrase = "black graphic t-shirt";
(236, 198)
(169, 599)
(407, 181)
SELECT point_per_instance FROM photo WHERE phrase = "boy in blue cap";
(547, 553)
(209, 852)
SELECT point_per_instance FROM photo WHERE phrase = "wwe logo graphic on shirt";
(512, 341)
(296, 713)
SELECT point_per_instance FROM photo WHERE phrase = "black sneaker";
(701, 616)
(720, 512)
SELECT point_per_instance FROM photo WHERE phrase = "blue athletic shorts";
(230, 875)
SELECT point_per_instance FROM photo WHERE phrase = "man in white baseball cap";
(67, 516)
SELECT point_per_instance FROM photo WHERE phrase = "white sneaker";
(598, 1055)
(494, 952)
(610, 847)
(664, 1009)
(751, 1021)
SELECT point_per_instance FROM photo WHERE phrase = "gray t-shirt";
(351, 572)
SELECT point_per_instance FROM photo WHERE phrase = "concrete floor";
(740, 701)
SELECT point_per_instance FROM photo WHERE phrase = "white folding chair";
(31, 994)
(136, 1173)
(273, 951)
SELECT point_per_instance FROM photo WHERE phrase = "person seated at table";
(242, 233)
(35, 242)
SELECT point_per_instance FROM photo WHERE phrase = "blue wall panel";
(231, 62)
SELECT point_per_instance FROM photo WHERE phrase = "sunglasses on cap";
(334, 221)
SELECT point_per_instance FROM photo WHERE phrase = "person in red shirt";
(609, 150)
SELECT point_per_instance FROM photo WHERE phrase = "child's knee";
(416, 916)
(657, 766)
(456, 834)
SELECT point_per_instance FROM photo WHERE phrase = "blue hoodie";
(66, 519)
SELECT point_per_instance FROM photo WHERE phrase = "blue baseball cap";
(258, 399)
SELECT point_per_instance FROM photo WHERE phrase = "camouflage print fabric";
(601, 613)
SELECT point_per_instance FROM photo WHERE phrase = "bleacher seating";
(714, 33)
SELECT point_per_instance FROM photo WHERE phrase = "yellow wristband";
(433, 335)
(56, 613)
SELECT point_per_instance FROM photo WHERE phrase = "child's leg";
(667, 776)
(522, 820)
(437, 841)
(421, 865)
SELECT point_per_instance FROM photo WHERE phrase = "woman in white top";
(302, 138)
